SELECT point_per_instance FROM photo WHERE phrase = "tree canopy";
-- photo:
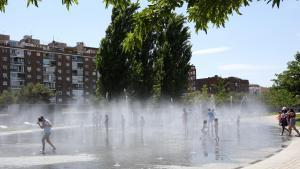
(290, 78)
(34, 93)
(286, 88)
(159, 67)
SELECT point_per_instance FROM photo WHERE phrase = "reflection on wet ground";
(89, 147)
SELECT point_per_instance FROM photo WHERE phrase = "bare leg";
(290, 130)
(294, 127)
(48, 140)
(43, 143)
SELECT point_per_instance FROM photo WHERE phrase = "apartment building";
(231, 84)
(192, 78)
(69, 71)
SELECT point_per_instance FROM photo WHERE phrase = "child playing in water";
(204, 129)
(46, 125)
(211, 118)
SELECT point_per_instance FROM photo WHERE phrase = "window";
(38, 69)
(60, 93)
(58, 63)
(38, 54)
(59, 71)
(86, 66)
(68, 71)
(68, 57)
(68, 93)
(4, 83)
(4, 58)
(68, 79)
(86, 59)
(38, 77)
(29, 76)
(28, 69)
(59, 78)
(4, 75)
(29, 53)
(59, 56)
(59, 100)
(94, 73)
(4, 67)
(68, 64)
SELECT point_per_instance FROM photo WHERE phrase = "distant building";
(231, 84)
(255, 89)
(192, 79)
(69, 71)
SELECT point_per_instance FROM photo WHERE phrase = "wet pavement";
(89, 147)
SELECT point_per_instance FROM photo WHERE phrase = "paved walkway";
(288, 158)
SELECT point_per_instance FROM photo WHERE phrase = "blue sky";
(253, 46)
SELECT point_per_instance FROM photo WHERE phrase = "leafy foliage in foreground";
(201, 12)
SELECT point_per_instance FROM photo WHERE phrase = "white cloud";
(246, 67)
(211, 51)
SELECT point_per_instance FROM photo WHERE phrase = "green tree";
(290, 78)
(221, 95)
(175, 48)
(33, 93)
(7, 97)
(112, 61)
(277, 98)
(142, 68)
(196, 96)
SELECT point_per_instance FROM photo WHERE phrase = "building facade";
(231, 84)
(255, 89)
(69, 71)
(192, 79)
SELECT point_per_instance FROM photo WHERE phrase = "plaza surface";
(85, 147)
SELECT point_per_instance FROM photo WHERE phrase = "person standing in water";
(204, 129)
(292, 122)
(217, 129)
(185, 121)
(142, 124)
(106, 124)
(46, 125)
(123, 124)
(211, 118)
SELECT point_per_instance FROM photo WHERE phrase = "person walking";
(283, 121)
(292, 122)
(46, 125)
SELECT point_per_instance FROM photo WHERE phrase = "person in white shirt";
(46, 125)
